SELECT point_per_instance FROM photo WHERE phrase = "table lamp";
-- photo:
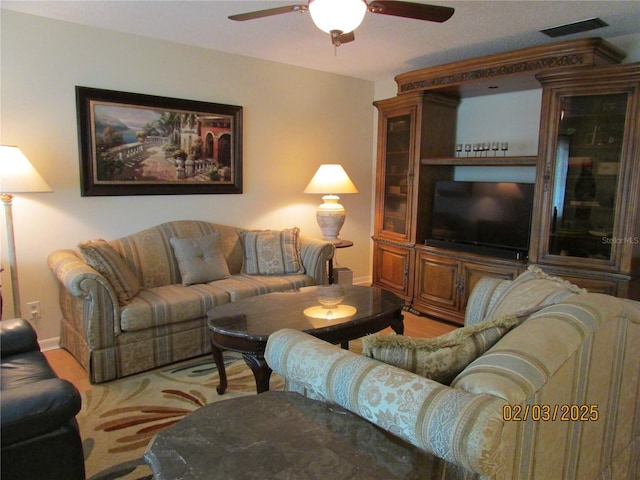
(17, 175)
(329, 180)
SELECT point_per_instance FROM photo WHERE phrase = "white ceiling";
(384, 45)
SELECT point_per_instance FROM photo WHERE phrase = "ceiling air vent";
(575, 27)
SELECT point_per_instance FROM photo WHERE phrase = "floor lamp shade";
(17, 175)
(329, 180)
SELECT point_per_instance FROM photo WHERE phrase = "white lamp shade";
(331, 179)
(17, 175)
(337, 15)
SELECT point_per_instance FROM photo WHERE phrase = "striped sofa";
(165, 321)
(555, 398)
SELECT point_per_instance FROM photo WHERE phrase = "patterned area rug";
(119, 418)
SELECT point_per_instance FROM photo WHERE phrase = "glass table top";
(316, 308)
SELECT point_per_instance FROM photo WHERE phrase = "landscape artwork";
(135, 144)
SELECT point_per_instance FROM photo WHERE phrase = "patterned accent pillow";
(200, 259)
(440, 358)
(272, 252)
(101, 256)
(530, 292)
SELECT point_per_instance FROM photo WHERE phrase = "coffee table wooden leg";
(330, 271)
(222, 372)
(397, 324)
(261, 371)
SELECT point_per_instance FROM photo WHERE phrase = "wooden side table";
(340, 244)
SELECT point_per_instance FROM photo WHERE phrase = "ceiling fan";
(340, 18)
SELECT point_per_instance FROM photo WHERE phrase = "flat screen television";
(487, 217)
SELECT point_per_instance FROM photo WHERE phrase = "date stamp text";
(550, 413)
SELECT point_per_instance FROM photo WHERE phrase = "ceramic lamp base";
(330, 217)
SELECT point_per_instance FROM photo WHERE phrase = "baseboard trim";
(49, 343)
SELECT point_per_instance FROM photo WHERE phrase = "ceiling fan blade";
(347, 37)
(419, 11)
(241, 17)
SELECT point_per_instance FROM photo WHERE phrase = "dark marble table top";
(282, 435)
(301, 310)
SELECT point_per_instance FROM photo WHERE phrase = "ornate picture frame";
(136, 144)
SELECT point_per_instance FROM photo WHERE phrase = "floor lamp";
(17, 175)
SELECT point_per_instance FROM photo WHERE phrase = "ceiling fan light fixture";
(343, 16)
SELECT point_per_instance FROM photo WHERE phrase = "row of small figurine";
(481, 149)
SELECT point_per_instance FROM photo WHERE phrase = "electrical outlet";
(34, 311)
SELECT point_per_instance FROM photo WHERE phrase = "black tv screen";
(486, 214)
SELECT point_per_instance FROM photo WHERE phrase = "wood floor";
(68, 368)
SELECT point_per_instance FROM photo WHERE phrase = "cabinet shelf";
(594, 115)
(580, 236)
(599, 177)
(397, 153)
(584, 204)
(598, 146)
(483, 161)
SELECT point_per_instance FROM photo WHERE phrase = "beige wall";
(294, 120)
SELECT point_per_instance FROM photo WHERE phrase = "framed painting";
(136, 144)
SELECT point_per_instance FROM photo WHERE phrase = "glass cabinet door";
(395, 176)
(586, 175)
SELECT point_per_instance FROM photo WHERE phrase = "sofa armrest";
(72, 271)
(101, 309)
(455, 425)
(37, 408)
(315, 254)
(17, 336)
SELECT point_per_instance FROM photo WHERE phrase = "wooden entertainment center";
(585, 223)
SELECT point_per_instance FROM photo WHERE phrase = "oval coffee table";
(245, 326)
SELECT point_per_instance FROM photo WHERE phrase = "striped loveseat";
(557, 397)
(140, 312)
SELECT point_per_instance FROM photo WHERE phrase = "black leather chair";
(40, 437)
